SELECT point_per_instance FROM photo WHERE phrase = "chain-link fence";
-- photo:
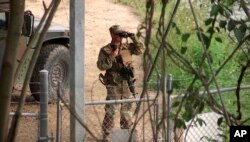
(28, 128)
(144, 123)
(206, 132)
(143, 129)
(202, 127)
(205, 126)
(33, 118)
(151, 123)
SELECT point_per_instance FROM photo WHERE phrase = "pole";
(28, 114)
(164, 111)
(58, 120)
(43, 105)
(77, 131)
(157, 104)
(169, 91)
(120, 101)
(1, 56)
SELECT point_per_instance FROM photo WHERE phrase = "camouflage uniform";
(116, 85)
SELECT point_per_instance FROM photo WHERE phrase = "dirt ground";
(99, 16)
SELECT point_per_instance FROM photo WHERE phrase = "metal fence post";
(59, 120)
(164, 107)
(157, 106)
(2, 49)
(169, 91)
(43, 106)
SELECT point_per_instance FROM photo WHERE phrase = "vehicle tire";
(55, 59)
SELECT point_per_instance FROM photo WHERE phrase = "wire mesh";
(144, 124)
(147, 123)
(28, 128)
(204, 126)
(94, 118)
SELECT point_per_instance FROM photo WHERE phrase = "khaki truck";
(54, 54)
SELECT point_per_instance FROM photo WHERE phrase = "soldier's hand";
(132, 36)
(115, 53)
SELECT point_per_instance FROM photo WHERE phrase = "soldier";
(112, 58)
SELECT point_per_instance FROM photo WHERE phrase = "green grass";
(230, 102)
(137, 5)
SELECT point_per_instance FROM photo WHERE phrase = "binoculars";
(125, 34)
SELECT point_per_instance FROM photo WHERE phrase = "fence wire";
(94, 115)
(203, 127)
(28, 129)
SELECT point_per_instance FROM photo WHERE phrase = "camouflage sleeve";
(104, 61)
(137, 47)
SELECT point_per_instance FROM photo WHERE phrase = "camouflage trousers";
(116, 93)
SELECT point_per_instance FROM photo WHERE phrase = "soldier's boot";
(107, 125)
(106, 137)
(125, 124)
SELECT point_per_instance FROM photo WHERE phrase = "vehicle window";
(2, 20)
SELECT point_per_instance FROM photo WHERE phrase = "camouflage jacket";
(110, 64)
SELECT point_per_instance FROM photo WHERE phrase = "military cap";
(116, 29)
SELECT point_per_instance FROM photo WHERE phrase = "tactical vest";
(113, 74)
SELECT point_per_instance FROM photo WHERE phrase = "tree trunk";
(36, 41)
(8, 66)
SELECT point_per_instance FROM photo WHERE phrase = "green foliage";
(180, 124)
(231, 105)
(185, 37)
(216, 9)
(205, 48)
(219, 121)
